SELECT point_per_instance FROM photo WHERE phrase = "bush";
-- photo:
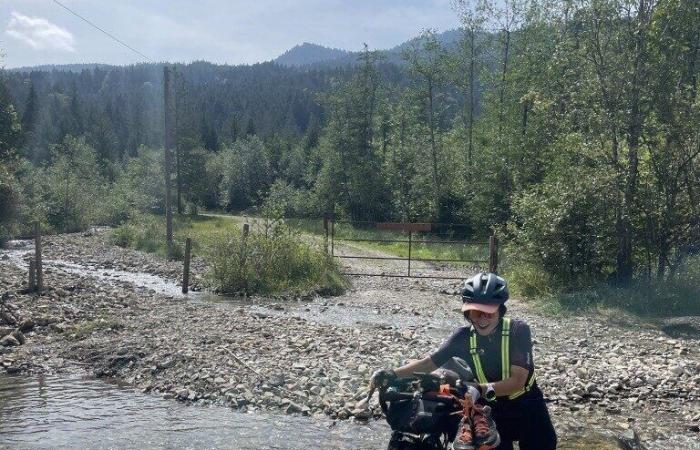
(529, 281)
(272, 264)
(138, 188)
(146, 233)
(676, 295)
(8, 204)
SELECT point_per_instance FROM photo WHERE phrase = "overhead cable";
(103, 31)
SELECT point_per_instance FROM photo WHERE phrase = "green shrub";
(146, 233)
(529, 281)
(272, 264)
(675, 296)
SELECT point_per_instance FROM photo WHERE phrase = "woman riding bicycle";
(499, 352)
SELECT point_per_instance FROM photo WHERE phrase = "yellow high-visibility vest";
(505, 359)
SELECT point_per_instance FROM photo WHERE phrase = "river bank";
(314, 358)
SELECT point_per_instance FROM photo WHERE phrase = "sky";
(38, 32)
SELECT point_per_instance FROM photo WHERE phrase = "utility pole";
(168, 135)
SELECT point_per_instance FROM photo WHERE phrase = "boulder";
(293, 408)
(26, 326)
(9, 341)
(8, 318)
(17, 334)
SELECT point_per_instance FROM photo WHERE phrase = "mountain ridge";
(306, 54)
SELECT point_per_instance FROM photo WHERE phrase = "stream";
(72, 412)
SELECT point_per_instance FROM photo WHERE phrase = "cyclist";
(499, 352)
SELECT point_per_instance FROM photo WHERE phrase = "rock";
(4, 331)
(362, 414)
(629, 440)
(183, 394)
(8, 318)
(677, 370)
(9, 341)
(26, 326)
(293, 408)
(166, 364)
(43, 321)
(19, 336)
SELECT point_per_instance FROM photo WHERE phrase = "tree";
(9, 139)
(351, 176)
(472, 14)
(426, 63)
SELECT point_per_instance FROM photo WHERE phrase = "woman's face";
(483, 322)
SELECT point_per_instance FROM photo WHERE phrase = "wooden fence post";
(37, 258)
(493, 254)
(244, 240)
(410, 244)
(186, 271)
(32, 273)
(325, 229)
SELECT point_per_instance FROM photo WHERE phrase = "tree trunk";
(501, 111)
(470, 128)
(433, 146)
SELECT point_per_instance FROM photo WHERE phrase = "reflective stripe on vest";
(505, 359)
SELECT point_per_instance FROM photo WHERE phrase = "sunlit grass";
(423, 245)
(273, 259)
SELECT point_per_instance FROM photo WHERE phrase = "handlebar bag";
(419, 415)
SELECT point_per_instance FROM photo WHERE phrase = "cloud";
(40, 34)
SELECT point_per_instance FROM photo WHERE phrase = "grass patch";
(678, 297)
(147, 233)
(85, 329)
(423, 246)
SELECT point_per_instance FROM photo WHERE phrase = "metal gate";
(407, 234)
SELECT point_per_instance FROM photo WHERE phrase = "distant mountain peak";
(309, 53)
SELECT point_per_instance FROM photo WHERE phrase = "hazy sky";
(235, 31)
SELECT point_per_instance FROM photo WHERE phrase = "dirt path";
(609, 375)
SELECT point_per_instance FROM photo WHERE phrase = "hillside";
(307, 53)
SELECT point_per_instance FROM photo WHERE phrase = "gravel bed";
(604, 372)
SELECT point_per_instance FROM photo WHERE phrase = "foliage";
(244, 171)
(272, 263)
(147, 233)
(137, 188)
(571, 129)
(9, 138)
(65, 194)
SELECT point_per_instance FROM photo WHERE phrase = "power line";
(103, 31)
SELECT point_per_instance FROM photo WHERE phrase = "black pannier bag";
(419, 415)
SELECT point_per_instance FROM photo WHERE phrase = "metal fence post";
(186, 271)
(493, 254)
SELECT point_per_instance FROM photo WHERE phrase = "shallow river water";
(57, 413)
